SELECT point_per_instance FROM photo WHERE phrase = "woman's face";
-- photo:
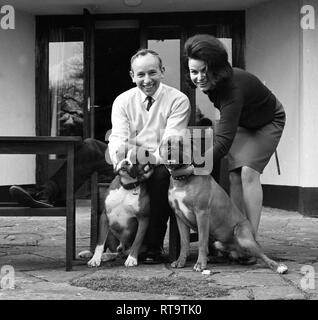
(200, 76)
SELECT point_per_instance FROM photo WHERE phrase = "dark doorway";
(113, 50)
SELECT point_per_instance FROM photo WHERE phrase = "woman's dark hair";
(210, 50)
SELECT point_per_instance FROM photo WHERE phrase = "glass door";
(71, 79)
(66, 88)
(89, 74)
(67, 92)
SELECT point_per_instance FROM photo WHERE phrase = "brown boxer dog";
(202, 205)
(125, 219)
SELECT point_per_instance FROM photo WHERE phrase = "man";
(143, 116)
(140, 116)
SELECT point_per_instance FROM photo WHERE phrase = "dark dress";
(251, 121)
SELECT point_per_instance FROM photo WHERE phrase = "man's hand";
(122, 152)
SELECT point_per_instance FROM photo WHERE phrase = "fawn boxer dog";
(124, 221)
(202, 205)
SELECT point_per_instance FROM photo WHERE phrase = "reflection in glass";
(66, 88)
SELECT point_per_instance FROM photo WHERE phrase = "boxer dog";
(202, 205)
(124, 221)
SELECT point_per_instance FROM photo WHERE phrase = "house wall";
(17, 91)
(309, 102)
(272, 53)
(284, 54)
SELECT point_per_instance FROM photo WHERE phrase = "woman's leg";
(252, 196)
(236, 191)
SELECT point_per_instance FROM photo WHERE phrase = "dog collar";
(180, 177)
(130, 186)
(182, 173)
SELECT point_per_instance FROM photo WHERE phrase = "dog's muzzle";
(123, 165)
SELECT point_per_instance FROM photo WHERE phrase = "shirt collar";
(154, 96)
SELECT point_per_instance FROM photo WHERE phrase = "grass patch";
(180, 286)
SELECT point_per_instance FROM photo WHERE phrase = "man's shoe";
(153, 257)
(39, 200)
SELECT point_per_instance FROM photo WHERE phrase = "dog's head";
(175, 152)
(138, 163)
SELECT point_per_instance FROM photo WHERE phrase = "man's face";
(146, 73)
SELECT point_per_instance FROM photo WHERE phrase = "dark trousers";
(90, 157)
(158, 185)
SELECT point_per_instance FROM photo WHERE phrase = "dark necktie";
(150, 102)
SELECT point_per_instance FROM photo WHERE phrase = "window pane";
(66, 88)
(169, 51)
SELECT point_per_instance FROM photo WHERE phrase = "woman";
(251, 119)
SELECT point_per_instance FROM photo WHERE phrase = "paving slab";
(35, 248)
(64, 291)
(277, 293)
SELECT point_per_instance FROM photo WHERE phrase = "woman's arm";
(230, 112)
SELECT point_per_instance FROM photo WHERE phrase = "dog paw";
(94, 262)
(86, 254)
(131, 261)
(180, 263)
(199, 266)
(282, 268)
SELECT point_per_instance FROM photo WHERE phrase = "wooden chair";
(47, 145)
